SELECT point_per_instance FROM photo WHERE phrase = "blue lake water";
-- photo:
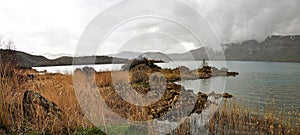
(259, 83)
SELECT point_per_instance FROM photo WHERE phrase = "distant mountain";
(50, 55)
(157, 56)
(198, 53)
(126, 55)
(23, 59)
(28, 60)
(274, 48)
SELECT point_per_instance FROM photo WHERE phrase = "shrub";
(140, 76)
(141, 67)
(133, 63)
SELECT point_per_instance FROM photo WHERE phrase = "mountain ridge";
(274, 48)
(26, 60)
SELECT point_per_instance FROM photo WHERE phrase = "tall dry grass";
(10, 84)
(231, 118)
(234, 118)
(57, 88)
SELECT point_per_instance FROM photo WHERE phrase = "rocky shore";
(171, 102)
(149, 81)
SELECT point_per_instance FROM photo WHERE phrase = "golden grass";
(234, 118)
(55, 87)
(231, 118)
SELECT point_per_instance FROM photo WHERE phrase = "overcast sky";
(54, 26)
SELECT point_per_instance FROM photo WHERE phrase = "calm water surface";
(258, 84)
(71, 69)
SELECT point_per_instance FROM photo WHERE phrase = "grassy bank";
(55, 107)
(235, 118)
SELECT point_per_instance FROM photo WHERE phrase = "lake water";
(71, 69)
(258, 83)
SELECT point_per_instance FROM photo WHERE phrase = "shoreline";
(58, 90)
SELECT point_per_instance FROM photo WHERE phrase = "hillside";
(126, 55)
(27, 60)
(273, 48)
(23, 59)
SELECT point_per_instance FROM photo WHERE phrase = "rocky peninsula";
(48, 102)
(146, 78)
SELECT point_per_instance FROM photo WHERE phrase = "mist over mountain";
(275, 48)
(126, 54)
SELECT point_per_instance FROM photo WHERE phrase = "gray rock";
(33, 101)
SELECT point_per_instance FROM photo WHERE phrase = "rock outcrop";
(175, 98)
(227, 95)
(35, 105)
(217, 95)
(200, 104)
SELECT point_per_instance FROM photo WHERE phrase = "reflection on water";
(216, 84)
(72, 68)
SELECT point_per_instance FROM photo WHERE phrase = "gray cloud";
(239, 20)
(55, 26)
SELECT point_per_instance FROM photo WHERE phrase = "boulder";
(227, 95)
(88, 70)
(35, 105)
(232, 74)
(200, 104)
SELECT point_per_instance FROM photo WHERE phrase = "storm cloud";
(55, 26)
(239, 20)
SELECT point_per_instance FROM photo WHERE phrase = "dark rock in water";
(227, 95)
(232, 74)
(217, 96)
(34, 103)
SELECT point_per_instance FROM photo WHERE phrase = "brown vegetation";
(47, 104)
(233, 118)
